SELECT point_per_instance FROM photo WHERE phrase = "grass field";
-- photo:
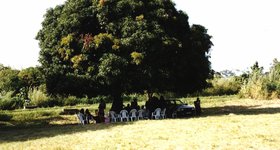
(227, 123)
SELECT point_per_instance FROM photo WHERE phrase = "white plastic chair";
(113, 116)
(124, 115)
(81, 119)
(156, 113)
(132, 114)
(162, 113)
(140, 114)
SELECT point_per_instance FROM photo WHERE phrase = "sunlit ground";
(226, 123)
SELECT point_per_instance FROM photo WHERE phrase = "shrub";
(8, 102)
(86, 100)
(38, 97)
(70, 101)
(106, 99)
(263, 86)
(223, 86)
(254, 87)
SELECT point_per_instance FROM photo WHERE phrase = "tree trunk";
(117, 104)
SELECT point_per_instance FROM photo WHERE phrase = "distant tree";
(110, 47)
(9, 80)
(256, 67)
(31, 77)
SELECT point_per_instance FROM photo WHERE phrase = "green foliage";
(70, 101)
(9, 80)
(19, 81)
(31, 77)
(137, 57)
(262, 86)
(8, 101)
(38, 97)
(201, 39)
(223, 86)
(254, 88)
(111, 69)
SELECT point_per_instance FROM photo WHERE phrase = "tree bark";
(117, 104)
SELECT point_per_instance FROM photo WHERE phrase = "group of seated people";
(151, 105)
(154, 108)
(143, 112)
(85, 116)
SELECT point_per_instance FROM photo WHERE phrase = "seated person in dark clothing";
(134, 104)
(88, 116)
(97, 118)
(127, 108)
(154, 103)
(145, 112)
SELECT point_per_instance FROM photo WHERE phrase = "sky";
(243, 31)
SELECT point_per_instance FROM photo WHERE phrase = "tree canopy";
(91, 47)
(9, 80)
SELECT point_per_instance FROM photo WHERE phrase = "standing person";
(197, 106)
(101, 108)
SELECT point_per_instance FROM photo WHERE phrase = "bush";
(38, 97)
(8, 102)
(263, 86)
(253, 88)
(223, 86)
(86, 100)
(70, 101)
(98, 99)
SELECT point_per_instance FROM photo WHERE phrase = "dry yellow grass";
(215, 132)
(242, 124)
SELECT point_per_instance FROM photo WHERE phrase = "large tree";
(113, 46)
